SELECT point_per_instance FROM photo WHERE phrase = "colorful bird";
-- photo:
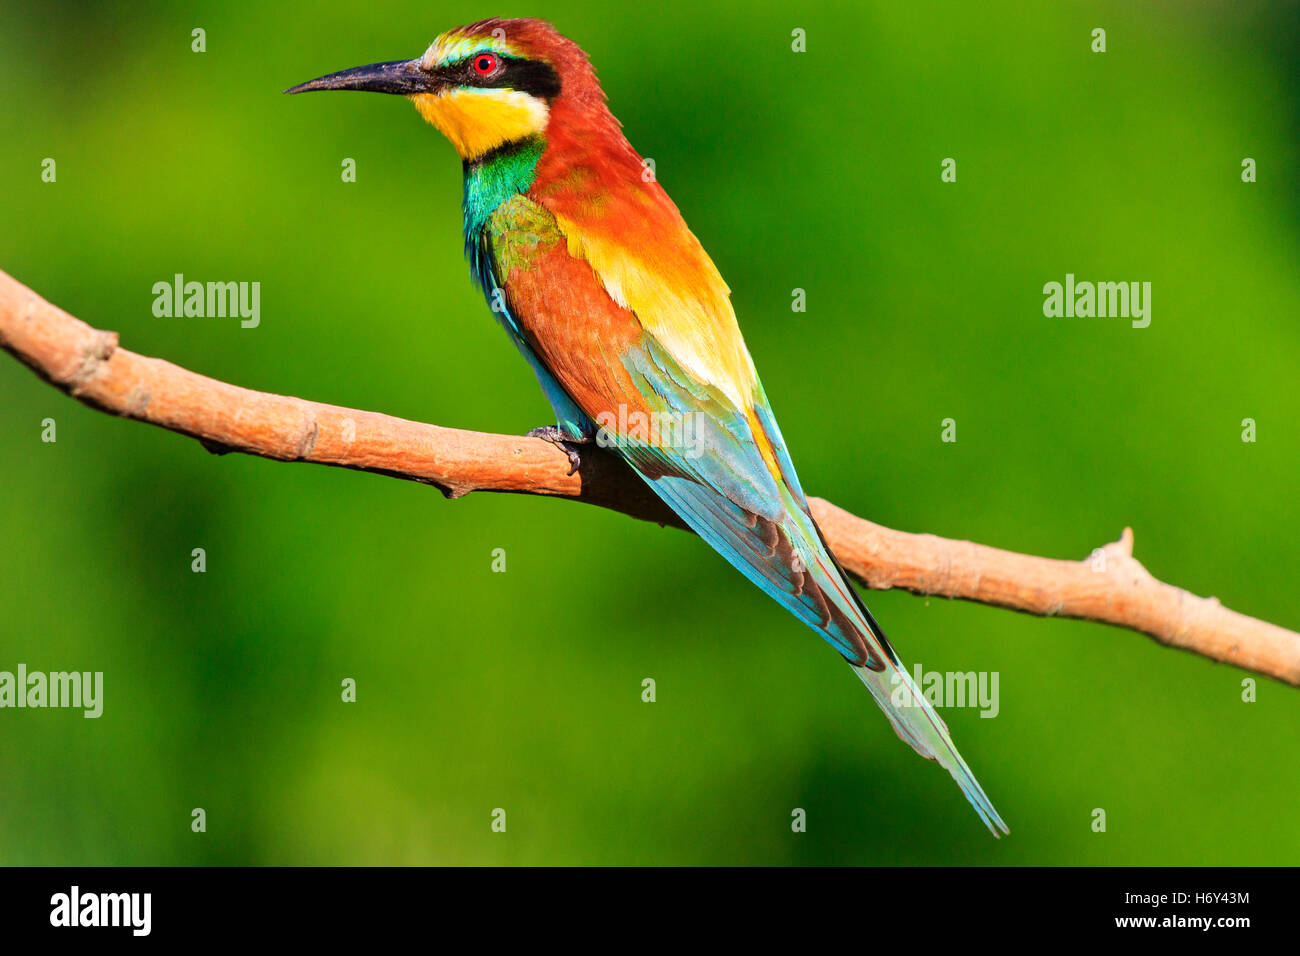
(629, 327)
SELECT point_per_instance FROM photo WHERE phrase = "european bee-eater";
(629, 327)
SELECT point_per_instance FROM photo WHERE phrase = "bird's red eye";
(484, 64)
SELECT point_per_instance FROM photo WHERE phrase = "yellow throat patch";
(478, 120)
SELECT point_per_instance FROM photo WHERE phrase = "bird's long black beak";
(402, 77)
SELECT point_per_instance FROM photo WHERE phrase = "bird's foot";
(561, 439)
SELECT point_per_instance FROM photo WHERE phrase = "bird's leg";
(565, 440)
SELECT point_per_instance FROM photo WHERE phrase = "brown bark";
(1110, 586)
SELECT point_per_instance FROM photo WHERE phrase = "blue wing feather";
(723, 492)
(757, 517)
(721, 486)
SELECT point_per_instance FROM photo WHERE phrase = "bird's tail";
(916, 722)
(788, 557)
(910, 714)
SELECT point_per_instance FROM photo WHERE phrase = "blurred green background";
(521, 690)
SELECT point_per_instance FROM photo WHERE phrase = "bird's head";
(484, 85)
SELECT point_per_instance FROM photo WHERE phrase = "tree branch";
(1111, 586)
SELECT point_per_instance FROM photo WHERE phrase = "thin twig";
(1109, 586)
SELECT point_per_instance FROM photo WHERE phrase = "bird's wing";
(623, 340)
(661, 366)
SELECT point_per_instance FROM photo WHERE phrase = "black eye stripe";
(514, 73)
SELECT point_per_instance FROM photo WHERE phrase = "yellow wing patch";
(680, 299)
